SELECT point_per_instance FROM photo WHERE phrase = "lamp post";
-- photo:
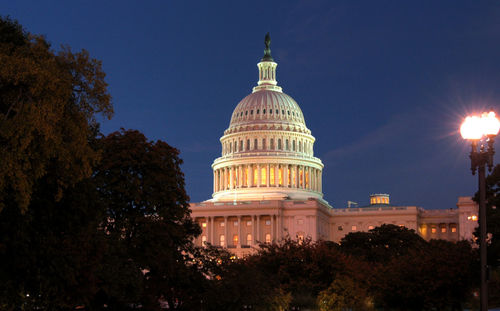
(481, 130)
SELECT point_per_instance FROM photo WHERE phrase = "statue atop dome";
(267, 51)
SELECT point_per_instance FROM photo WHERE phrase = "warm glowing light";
(204, 225)
(475, 127)
(471, 128)
(474, 217)
(490, 123)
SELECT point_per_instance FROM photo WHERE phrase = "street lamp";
(480, 130)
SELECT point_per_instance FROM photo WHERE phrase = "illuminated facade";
(267, 184)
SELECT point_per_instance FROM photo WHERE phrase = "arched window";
(279, 143)
(241, 145)
(230, 147)
(287, 145)
(272, 144)
(263, 144)
(248, 144)
(293, 145)
(300, 146)
(255, 144)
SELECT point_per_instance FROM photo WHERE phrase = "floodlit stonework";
(267, 183)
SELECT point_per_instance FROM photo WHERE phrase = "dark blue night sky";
(383, 85)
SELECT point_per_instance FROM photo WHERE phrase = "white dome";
(268, 108)
(267, 151)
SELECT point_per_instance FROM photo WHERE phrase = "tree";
(344, 294)
(439, 276)
(492, 216)
(48, 208)
(147, 225)
(48, 106)
(381, 244)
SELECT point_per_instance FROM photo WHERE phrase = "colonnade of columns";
(215, 234)
(267, 175)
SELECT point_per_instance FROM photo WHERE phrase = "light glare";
(471, 128)
(490, 123)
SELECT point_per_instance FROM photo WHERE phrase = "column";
(224, 185)
(240, 177)
(285, 175)
(258, 175)
(212, 230)
(268, 174)
(221, 179)
(279, 230)
(276, 175)
(226, 240)
(231, 177)
(297, 177)
(320, 181)
(254, 236)
(257, 234)
(239, 232)
(272, 228)
(214, 183)
(250, 172)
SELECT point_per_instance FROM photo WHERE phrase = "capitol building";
(267, 183)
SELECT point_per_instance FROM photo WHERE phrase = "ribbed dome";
(267, 106)
(267, 151)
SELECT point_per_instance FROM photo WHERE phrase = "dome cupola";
(267, 151)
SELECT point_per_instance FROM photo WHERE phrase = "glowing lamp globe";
(472, 128)
(490, 124)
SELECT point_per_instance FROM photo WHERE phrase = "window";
(272, 144)
(370, 227)
(272, 175)
(300, 221)
(277, 111)
(433, 230)
(353, 228)
(264, 111)
(264, 143)
(249, 239)
(222, 240)
(453, 229)
(248, 144)
(235, 224)
(340, 228)
(255, 144)
(282, 111)
(300, 146)
(222, 224)
(203, 240)
(268, 222)
(246, 112)
(263, 176)
(288, 112)
(279, 143)
(204, 224)
(270, 111)
(443, 229)
(268, 238)
(287, 146)
(249, 223)
(235, 239)
(293, 145)
(258, 111)
(230, 147)
(241, 145)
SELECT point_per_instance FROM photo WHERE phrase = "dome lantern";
(267, 70)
